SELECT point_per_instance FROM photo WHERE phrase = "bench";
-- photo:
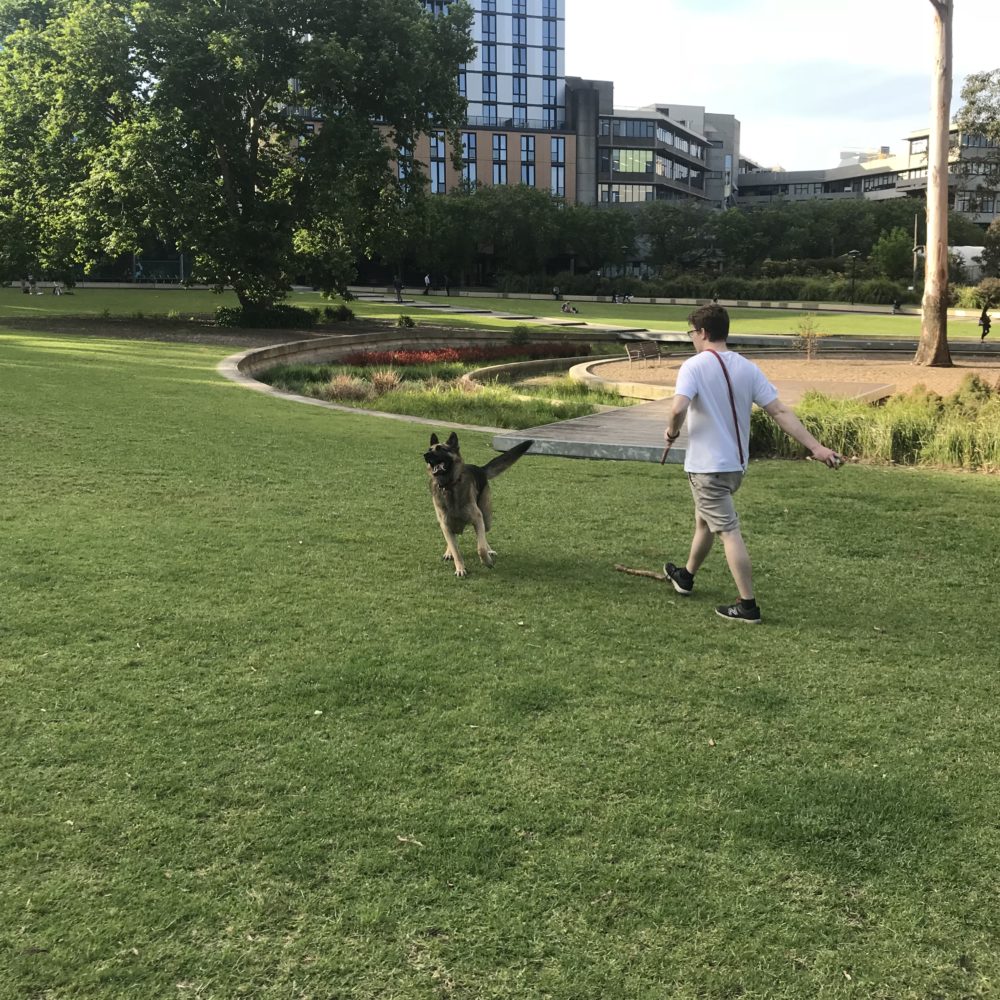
(642, 350)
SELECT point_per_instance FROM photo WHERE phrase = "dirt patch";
(887, 369)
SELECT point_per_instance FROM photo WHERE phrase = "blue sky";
(805, 79)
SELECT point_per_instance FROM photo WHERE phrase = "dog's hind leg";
(486, 554)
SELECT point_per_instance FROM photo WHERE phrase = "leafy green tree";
(188, 119)
(594, 236)
(892, 254)
(991, 250)
(980, 115)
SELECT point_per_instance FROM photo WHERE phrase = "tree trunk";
(933, 347)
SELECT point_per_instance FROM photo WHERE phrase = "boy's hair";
(713, 319)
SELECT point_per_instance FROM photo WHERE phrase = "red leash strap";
(732, 403)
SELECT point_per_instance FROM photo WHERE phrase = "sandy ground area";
(887, 369)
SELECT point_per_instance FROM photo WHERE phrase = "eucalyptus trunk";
(933, 347)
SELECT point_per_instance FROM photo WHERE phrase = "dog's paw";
(487, 557)
(447, 556)
(460, 572)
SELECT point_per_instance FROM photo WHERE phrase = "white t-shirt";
(711, 435)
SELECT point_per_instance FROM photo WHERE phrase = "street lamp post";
(854, 255)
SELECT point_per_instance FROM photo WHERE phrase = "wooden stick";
(640, 572)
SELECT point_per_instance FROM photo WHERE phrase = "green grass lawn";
(437, 309)
(261, 743)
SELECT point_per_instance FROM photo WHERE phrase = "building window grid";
(519, 6)
(519, 56)
(489, 27)
(550, 8)
(488, 57)
(519, 30)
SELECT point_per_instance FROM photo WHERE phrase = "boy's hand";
(828, 457)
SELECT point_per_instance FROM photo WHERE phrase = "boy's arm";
(794, 428)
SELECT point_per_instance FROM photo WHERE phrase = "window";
(488, 55)
(528, 160)
(633, 161)
(549, 90)
(549, 117)
(519, 30)
(557, 183)
(625, 192)
(550, 8)
(436, 171)
(436, 166)
(490, 114)
(520, 6)
(489, 87)
(490, 5)
(499, 159)
(550, 34)
(469, 157)
(489, 27)
(520, 57)
(975, 141)
(550, 62)
(463, 83)
(520, 85)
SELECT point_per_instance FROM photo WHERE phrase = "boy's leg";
(738, 559)
(701, 544)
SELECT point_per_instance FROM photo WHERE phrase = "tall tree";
(194, 120)
(933, 349)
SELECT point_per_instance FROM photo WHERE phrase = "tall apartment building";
(516, 128)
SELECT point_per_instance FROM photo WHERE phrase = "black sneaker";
(738, 613)
(682, 580)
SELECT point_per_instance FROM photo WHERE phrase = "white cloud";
(806, 80)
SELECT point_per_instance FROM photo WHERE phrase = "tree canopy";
(241, 131)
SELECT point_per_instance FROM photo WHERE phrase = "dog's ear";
(453, 440)
(434, 439)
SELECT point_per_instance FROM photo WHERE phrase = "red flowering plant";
(480, 354)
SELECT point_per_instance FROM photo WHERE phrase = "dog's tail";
(495, 466)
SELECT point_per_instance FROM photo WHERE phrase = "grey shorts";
(713, 498)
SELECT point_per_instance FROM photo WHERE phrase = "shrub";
(520, 335)
(338, 314)
(405, 321)
(385, 380)
(277, 317)
(347, 388)
(879, 291)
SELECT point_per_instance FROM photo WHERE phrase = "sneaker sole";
(745, 621)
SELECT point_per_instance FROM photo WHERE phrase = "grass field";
(437, 309)
(261, 743)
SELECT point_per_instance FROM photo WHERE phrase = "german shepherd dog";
(461, 494)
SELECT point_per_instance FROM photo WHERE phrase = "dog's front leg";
(451, 542)
(486, 554)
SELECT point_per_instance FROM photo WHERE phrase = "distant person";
(895, 307)
(568, 308)
(427, 284)
(25, 290)
(447, 285)
(715, 392)
(397, 284)
(985, 322)
(555, 292)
